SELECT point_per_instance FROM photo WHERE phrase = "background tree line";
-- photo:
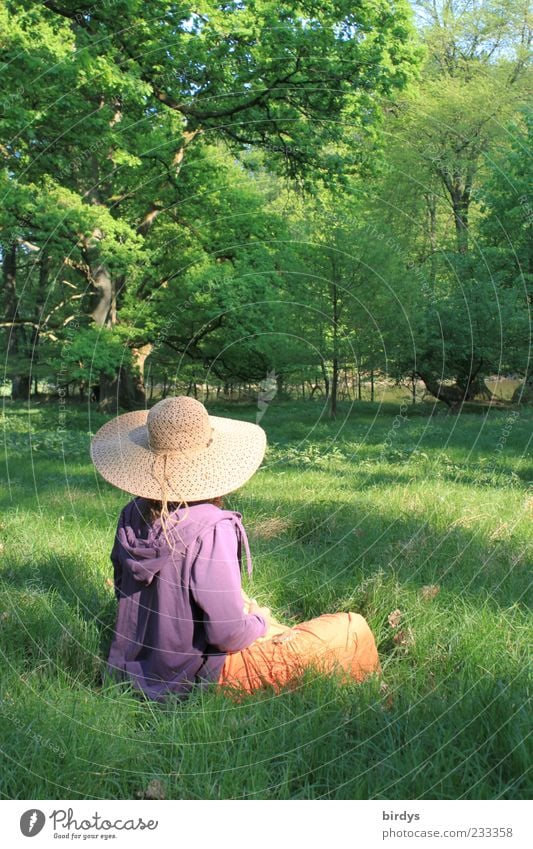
(226, 191)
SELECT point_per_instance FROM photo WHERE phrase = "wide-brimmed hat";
(177, 452)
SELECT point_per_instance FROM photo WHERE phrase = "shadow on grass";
(55, 616)
(61, 610)
(342, 544)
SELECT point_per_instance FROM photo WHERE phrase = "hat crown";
(178, 423)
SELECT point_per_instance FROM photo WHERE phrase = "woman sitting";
(183, 618)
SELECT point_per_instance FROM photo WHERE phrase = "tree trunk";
(108, 394)
(104, 312)
(477, 386)
(20, 387)
(20, 382)
(104, 308)
(460, 193)
(104, 315)
(453, 396)
(335, 364)
(372, 384)
(315, 387)
(431, 205)
(40, 300)
(347, 384)
(460, 214)
(326, 377)
(140, 355)
(117, 392)
(334, 387)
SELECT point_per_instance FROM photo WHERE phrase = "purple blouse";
(180, 609)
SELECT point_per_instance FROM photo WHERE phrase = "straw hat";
(177, 451)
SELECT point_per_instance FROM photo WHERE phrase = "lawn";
(419, 521)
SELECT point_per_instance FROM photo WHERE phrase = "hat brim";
(121, 453)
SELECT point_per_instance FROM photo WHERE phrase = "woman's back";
(179, 604)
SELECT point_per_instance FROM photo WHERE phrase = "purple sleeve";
(117, 571)
(216, 588)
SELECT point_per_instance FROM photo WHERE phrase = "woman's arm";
(216, 588)
(275, 628)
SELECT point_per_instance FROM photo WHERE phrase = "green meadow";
(418, 520)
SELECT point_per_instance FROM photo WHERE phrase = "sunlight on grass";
(431, 532)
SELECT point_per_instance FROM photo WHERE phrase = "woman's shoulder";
(192, 521)
(207, 516)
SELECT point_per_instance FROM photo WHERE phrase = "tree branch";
(186, 110)
(71, 15)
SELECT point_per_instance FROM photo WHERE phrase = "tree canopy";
(220, 191)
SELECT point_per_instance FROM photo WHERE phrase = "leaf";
(403, 637)
(429, 591)
(394, 618)
(155, 790)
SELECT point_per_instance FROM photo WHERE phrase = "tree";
(444, 134)
(507, 233)
(476, 77)
(144, 84)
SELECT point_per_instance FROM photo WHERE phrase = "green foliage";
(114, 170)
(505, 197)
(92, 351)
(228, 206)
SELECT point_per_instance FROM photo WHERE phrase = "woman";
(182, 616)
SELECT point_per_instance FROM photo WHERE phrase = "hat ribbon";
(243, 540)
(176, 452)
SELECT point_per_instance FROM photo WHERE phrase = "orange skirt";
(334, 642)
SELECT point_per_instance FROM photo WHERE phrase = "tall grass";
(426, 515)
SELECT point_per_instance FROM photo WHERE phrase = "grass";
(425, 514)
